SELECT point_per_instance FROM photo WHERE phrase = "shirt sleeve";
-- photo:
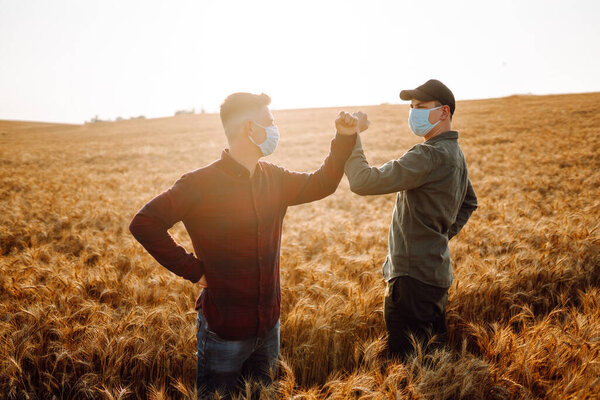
(408, 172)
(468, 206)
(302, 188)
(151, 224)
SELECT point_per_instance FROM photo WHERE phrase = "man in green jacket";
(434, 201)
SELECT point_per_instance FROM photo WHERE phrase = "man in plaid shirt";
(233, 210)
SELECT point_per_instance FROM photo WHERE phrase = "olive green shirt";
(435, 199)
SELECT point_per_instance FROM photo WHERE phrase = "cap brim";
(415, 94)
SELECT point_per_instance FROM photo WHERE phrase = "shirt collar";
(443, 136)
(230, 165)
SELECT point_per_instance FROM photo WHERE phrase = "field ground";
(86, 313)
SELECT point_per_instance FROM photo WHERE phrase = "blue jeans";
(221, 363)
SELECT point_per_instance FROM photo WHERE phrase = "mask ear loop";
(442, 107)
(250, 135)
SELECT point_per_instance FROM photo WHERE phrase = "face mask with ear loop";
(268, 146)
(418, 120)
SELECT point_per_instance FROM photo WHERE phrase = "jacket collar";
(443, 136)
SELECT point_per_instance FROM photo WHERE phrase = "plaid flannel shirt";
(234, 221)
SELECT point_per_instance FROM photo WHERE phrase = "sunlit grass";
(85, 312)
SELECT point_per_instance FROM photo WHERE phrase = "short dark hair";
(237, 104)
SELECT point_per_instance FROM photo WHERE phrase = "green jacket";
(435, 199)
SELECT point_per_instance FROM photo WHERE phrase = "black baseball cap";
(429, 91)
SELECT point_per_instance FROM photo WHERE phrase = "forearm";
(304, 188)
(331, 172)
(366, 180)
(156, 239)
(358, 171)
(461, 221)
(468, 206)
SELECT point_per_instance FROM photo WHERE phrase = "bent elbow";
(134, 226)
(361, 182)
(329, 189)
(360, 190)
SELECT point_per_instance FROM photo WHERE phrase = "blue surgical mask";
(418, 120)
(268, 146)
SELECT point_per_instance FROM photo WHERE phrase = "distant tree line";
(96, 119)
(190, 111)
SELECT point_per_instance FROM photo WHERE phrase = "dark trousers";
(414, 308)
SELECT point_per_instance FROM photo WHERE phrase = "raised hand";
(363, 120)
(349, 124)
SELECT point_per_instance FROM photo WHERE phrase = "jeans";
(414, 307)
(222, 364)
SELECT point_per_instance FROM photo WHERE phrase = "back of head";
(238, 107)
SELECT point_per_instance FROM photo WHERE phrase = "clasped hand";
(349, 124)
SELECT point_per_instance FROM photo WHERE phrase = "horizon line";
(173, 115)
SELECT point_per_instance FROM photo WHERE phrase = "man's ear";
(446, 112)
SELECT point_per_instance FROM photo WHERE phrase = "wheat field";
(86, 313)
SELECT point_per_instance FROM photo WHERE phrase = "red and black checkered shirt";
(234, 221)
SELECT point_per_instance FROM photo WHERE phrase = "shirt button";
(259, 258)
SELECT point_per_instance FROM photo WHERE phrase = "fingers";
(347, 119)
(348, 124)
(350, 120)
(361, 116)
(363, 122)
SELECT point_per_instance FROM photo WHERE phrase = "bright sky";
(68, 60)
